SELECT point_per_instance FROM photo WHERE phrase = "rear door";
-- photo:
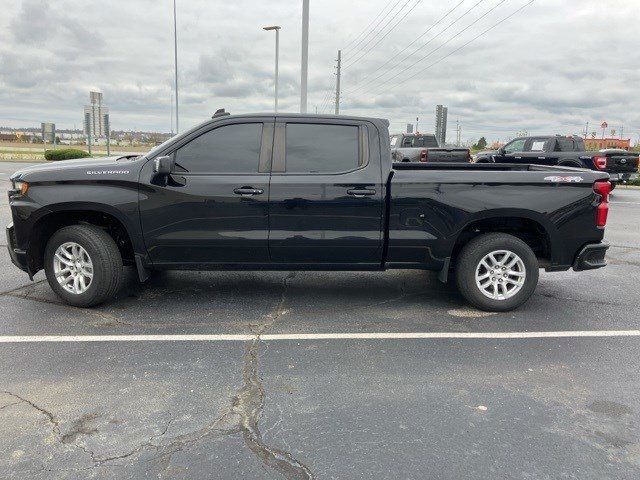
(326, 200)
(541, 151)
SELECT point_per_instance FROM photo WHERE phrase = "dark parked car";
(564, 151)
(302, 192)
(423, 147)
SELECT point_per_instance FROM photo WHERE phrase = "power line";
(388, 32)
(484, 32)
(373, 29)
(353, 39)
(386, 82)
(399, 62)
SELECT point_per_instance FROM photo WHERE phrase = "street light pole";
(305, 56)
(277, 30)
(175, 57)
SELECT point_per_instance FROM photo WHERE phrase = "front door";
(213, 209)
(512, 152)
(327, 194)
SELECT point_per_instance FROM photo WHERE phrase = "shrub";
(65, 154)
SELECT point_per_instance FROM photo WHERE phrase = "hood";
(67, 169)
(487, 152)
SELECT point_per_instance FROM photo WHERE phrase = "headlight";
(19, 187)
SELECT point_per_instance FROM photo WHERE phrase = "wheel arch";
(121, 228)
(531, 228)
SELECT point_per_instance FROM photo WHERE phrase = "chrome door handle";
(361, 192)
(248, 191)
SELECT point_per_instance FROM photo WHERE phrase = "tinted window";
(427, 141)
(228, 149)
(540, 145)
(515, 146)
(321, 148)
(566, 145)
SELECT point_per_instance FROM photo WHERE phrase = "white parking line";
(316, 336)
(626, 203)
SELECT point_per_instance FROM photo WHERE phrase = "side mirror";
(163, 165)
(501, 151)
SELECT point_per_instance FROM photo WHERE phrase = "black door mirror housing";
(163, 165)
(501, 151)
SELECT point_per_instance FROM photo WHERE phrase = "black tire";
(470, 258)
(106, 259)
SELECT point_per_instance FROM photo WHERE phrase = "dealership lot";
(322, 394)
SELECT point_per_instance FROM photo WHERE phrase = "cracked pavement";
(325, 409)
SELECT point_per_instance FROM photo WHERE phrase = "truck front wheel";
(497, 272)
(83, 265)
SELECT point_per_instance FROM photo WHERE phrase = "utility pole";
(458, 132)
(586, 131)
(304, 70)
(175, 57)
(276, 28)
(338, 82)
(417, 124)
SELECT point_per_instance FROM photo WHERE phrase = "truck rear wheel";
(497, 272)
(83, 265)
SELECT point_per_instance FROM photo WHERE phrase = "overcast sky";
(550, 68)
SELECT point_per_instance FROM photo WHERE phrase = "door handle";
(361, 192)
(518, 158)
(542, 158)
(248, 191)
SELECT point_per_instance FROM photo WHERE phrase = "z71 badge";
(558, 179)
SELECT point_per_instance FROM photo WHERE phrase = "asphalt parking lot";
(329, 375)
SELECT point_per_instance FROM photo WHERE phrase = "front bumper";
(18, 257)
(591, 256)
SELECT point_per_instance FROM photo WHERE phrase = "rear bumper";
(591, 256)
(623, 177)
(18, 257)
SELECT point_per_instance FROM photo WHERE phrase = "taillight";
(424, 155)
(603, 189)
(600, 162)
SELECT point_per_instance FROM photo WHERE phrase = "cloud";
(549, 69)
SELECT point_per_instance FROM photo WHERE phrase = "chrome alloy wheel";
(500, 275)
(73, 267)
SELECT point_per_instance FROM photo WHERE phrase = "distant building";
(95, 113)
(441, 124)
(602, 143)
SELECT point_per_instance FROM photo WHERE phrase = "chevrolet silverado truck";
(302, 192)
(422, 147)
(621, 165)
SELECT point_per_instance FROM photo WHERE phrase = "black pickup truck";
(564, 151)
(424, 147)
(293, 192)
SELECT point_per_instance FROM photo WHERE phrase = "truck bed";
(430, 205)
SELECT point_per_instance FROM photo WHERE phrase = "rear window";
(315, 148)
(422, 141)
(566, 145)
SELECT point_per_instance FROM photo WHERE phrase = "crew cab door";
(326, 198)
(541, 151)
(213, 208)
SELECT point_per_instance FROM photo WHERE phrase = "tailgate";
(448, 155)
(621, 163)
